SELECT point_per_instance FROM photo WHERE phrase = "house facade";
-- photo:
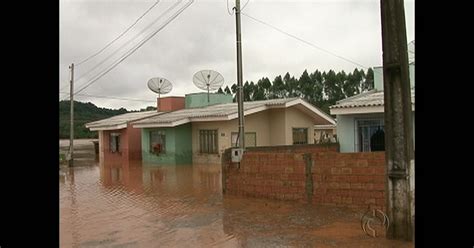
(118, 140)
(360, 118)
(172, 144)
(205, 132)
(167, 145)
(193, 130)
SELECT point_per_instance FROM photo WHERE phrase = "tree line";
(321, 89)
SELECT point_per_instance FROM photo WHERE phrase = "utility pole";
(71, 131)
(399, 154)
(240, 88)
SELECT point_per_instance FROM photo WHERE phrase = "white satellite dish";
(160, 86)
(208, 80)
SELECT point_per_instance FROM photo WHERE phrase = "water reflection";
(141, 205)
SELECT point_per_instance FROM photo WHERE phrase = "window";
(114, 139)
(300, 136)
(370, 135)
(250, 139)
(157, 142)
(208, 141)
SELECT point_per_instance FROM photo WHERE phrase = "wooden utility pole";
(399, 153)
(240, 88)
(71, 131)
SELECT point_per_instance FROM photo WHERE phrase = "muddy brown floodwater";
(140, 205)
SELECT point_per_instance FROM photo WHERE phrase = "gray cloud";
(203, 37)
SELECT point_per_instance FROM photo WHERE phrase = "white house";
(360, 118)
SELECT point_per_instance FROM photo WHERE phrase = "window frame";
(114, 137)
(293, 135)
(237, 144)
(358, 147)
(150, 147)
(208, 140)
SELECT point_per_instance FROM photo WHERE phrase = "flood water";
(140, 205)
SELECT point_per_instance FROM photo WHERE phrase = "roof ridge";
(101, 121)
(358, 95)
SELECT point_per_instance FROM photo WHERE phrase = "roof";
(329, 126)
(228, 111)
(119, 121)
(368, 99)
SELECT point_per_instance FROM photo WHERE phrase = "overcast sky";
(203, 37)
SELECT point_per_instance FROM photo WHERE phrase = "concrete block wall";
(354, 180)
(316, 174)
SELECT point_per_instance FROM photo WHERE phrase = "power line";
(304, 41)
(137, 46)
(128, 42)
(243, 7)
(228, 11)
(124, 32)
(133, 49)
(111, 97)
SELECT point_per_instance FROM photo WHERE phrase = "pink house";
(118, 140)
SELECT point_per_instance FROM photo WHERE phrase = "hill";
(83, 113)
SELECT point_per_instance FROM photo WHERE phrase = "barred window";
(370, 135)
(157, 142)
(114, 140)
(250, 139)
(208, 141)
(300, 136)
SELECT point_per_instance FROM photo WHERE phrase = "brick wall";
(170, 103)
(316, 173)
(349, 179)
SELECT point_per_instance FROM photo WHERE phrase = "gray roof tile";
(217, 110)
(367, 99)
(122, 119)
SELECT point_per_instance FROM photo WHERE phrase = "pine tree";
(264, 87)
(278, 88)
(246, 91)
(369, 80)
(227, 90)
(317, 88)
(306, 86)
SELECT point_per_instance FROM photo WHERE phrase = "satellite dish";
(160, 86)
(208, 80)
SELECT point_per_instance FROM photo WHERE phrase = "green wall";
(178, 146)
(197, 100)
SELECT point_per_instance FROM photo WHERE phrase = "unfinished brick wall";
(353, 180)
(318, 174)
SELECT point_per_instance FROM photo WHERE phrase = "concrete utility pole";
(240, 95)
(71, 131)
(399, 153)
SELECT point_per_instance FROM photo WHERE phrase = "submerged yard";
(141, 205)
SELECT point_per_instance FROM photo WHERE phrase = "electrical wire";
(234, 7)
(136, 47)
(128, 42)
(133, 49)
(243, 7)
(304, 41)
(228, 8)
(124, 32)
(111, 97)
